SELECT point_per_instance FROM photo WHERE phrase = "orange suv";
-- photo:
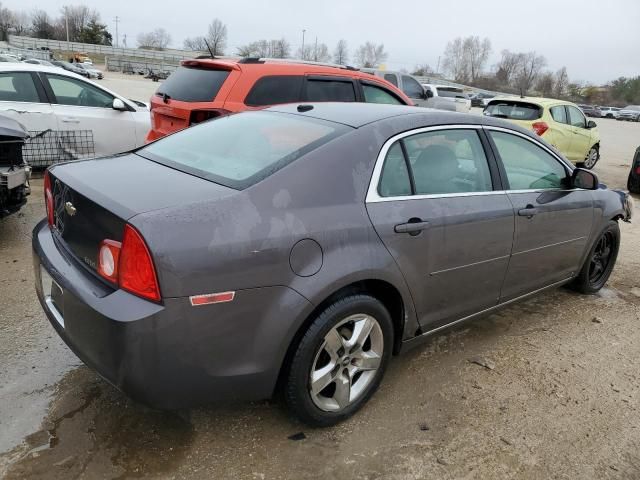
(202, 89)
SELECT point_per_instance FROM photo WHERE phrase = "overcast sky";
(596, 40)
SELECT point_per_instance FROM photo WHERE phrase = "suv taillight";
(48, 198)
(199, 116)
(540, 127)
(129, 265)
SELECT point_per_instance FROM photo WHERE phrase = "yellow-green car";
(562, 124)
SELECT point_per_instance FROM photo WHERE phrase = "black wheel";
(340, 361)
(600, 262)
(592, 158)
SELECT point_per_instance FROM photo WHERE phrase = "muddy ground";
(561, 401)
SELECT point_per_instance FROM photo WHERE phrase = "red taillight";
(129, 265)
(199, 116)
(638, 169)
(136, 272)
(540, 127)
(48, 198)
(108, 256)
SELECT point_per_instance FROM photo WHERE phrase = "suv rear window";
(188, 84)
(239, 150)
(275, 89)
(513, 110)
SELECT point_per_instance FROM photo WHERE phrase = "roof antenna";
(209, 48)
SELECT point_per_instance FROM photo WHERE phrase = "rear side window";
(513, 110)
(559, 114)
(240, 150)
(188, 84)
(18, 87)
(330, 91)
(373, 94)
(394, 179)
(275, 89)
(391, 78)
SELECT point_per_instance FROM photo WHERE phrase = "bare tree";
(562, 82)
(507, 66)
(306, 54)
(22, 23)
(41, 25)
(341, 53)
(455, 61)
(545, 84)
(159, 39)
(476, 53)
(217, 36)
(77, 17)
(321, 53)
(370, 55)
(278, 48)
(7, 22)
(528, 71)
(195, 43)
(422, 70)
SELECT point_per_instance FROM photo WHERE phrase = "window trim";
(373, 196)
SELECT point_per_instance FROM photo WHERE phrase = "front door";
(552, 222)
(413, 90)
(581, 142)
(436, 203)
(88, 123)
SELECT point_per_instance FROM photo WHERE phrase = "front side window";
(411, 87)
(330, 91)
(576, 117)
(559, 114)
(18, 87)
(275, 89)
(240, 150)
(527, 165)
(373, 94)
(69, 91)
(391, 78)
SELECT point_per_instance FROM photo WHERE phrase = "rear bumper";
(171, 355)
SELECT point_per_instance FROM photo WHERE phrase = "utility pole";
(302, 50)
(117, 19)
(66, 22)
(438, 67)
(124, 40)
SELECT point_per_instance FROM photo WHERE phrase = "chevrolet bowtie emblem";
(70, 209)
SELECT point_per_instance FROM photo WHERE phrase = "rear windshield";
(450, 92)
(189, 84)
(239, 150)
(513, 110)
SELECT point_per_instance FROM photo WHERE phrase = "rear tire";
(340, 361)
(600, 261)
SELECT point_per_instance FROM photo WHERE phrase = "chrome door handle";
(70, 120)
(529, 211)
(412, 228)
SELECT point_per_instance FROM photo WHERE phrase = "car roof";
(357, 114)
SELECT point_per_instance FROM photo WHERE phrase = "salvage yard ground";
(558, 395)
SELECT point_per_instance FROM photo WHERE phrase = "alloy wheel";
(601, 257)
(346, 362)
(592, 158)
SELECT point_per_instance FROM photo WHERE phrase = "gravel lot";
(561, 400)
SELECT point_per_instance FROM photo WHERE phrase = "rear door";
(436, 202)
(87, 121)
(561, 131)
(552, 222)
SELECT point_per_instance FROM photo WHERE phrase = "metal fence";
(173, 56)
(47, 147)
(39, 54)
(133, 66)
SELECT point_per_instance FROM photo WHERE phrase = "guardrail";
(37, 43)
(133, 66)
(39, 54)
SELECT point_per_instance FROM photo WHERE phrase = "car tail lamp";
(540, 127)
(129, 265)
(638, 169)
(199, 116)
(48, 198)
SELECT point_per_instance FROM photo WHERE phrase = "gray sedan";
(300, 247)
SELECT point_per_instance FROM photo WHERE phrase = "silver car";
(630, 113)
(301, 246)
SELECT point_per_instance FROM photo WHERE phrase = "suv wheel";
(340, 361)
(600, 262)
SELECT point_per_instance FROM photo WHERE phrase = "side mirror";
(591, 124)
(119, 104)
(427, 94)
(585, 179)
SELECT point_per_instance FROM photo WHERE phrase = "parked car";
(609, 112)
(79, 117)
(93, 72)
(202, 89)
(8, 59)
(70, 67)
(630, 113)
(481, 99)
(590, 111)
(633, 184)
(14, 170)
(301, 246)
(443, 96)
(560, 123)
(409, 85)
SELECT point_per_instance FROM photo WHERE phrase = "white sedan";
(69, 116)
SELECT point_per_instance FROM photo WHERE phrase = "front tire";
(600, 261)
(592, 158)
(340, 361)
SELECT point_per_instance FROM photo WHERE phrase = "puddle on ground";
(93, 430)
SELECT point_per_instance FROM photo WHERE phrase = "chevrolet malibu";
(299, 247)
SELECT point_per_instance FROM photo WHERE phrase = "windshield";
(513, 110)
(189, 84)
(240, 150)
